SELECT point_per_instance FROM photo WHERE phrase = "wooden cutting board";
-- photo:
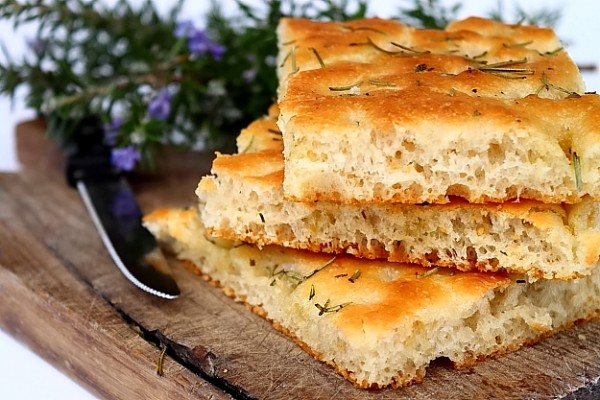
(61, 295)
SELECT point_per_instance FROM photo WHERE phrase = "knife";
(112, 207)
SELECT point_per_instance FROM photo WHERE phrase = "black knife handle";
(88, 157)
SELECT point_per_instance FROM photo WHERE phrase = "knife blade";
(115, 213)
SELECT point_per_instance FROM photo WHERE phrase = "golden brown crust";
(468, 361)
(462, 52)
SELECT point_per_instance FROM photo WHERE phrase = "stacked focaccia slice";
(396, 114)
(390, 143)
(379, 323)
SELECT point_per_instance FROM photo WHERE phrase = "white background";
(23, 375)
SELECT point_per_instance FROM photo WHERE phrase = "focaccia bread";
(482, 110)
(380, 324)
(243, 200)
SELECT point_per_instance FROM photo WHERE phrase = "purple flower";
(199, 43)
(111, 131)
(125, 158)
(160, 105)
(183, 29)
(124, 205)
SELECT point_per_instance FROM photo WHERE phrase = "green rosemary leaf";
(363, 28)
(429, 272)
(293, 57)
(248, 146)
(520, 71)
(286, 58)
(376, 82)
(514, 45)
(354, 276)
(262, 217)
(410, 49)
(326, 308)
(314, 51)
(480, 55)
(504, 69)
(546, 84)
(503, 64)
(552, 52)
(328, 263)
(160, 361)
(381, 48)
(344, 88)
(340, 275)
(577, 167)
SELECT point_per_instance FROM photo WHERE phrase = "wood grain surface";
(61, 295)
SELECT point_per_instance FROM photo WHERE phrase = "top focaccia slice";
(374, 111)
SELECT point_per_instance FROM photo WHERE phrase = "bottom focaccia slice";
(243, 199)
(380, 324)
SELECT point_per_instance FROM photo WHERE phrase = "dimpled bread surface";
(373, 111)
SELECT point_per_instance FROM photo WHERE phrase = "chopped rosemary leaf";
(376, 82)
(479, 55)
(520, 71)
(340, 275)
(503, 64)
(293, 277)
(160, 361)
(513, 45)
(551, 53)
(329, 262)
(521, 281)
(314, 51)
(354, 276)
(428, 273)
(293, 56)
(262, 217)
(288, 42)
(344, 88)
(287, 57)
(546, 84)
(504, 69)
(577, 167)
(381, 48)
(364, 28)
(330, 309)
(312, 292)
(509, 76)
(248, 146)
(274, 131)
(410, 49)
